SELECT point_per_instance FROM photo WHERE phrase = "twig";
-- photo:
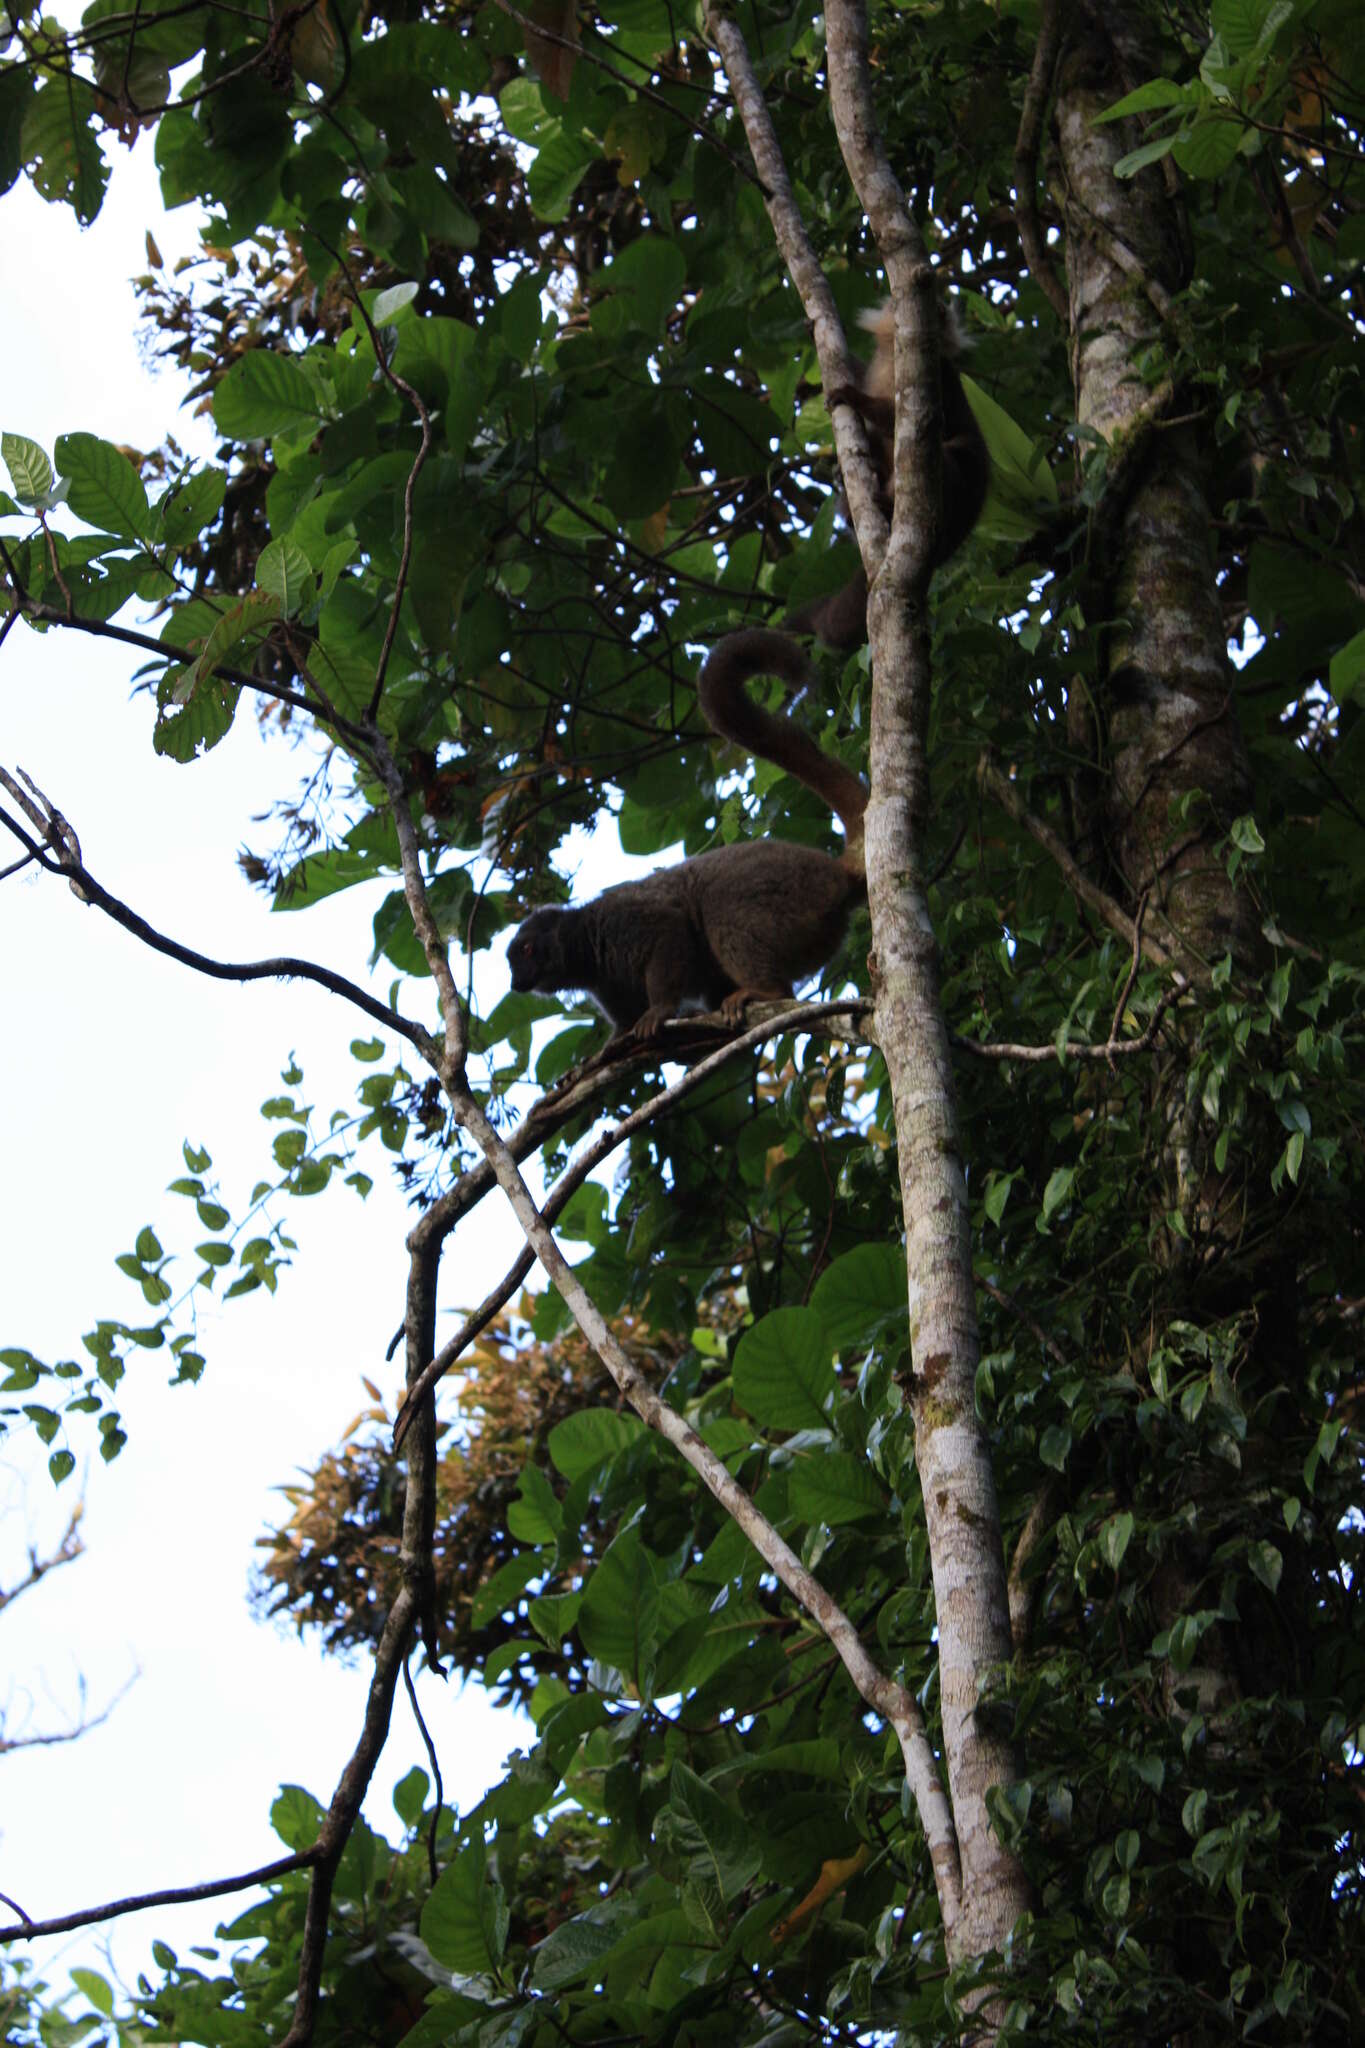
(340, 1817)
(1039, 1521)
(1038, 1055)
(285, 968)
(435, 1763)
(415, 399)
(1036, 93)
(15, 1907)
(1133, 965)
(993, 779)
(1016, 1308)
(67, 1551)
(577, 1172)
(179, 1895)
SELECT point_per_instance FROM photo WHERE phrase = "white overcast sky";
(112, 1057)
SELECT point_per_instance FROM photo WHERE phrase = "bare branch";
(993, 779)
(1038, 1055)
(82, 1725)
(68, 1550)
(284, 968)
(179, 1895)
(1035, 248)
(887, 1698)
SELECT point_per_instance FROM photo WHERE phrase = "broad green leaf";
(716, 1837)
(296, 1817)
(570, 1953)
(587, 1439)
(29, 469)
(834, 1487)
(784, 1375)
(263, 393)
(105, 490)
(619, 1618)
(464, 1922)
(860, 1293)
(284, 573)
(59, 144)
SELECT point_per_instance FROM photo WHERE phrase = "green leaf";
(535, 1517)
(1115, 1537)
(1157, 92)
(1267, 1563)
(505, 1587)
(96, 1988)
(784, 1374)
(61, 1465)
(570, 1953)
(585, 1441)
(58, 143)
(860, 1293)
(717, 1839)
(29, 469)
(464, 1922)
(105, 490)
(296, 1817)
(1055, 1193)
(262, 394)
(834, 1487)
(284, 573)
(619, 1618)
(410, 1796)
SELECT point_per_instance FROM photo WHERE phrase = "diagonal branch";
(884, 1695)
(1036, 252)
(25, 1929)
(61, 861)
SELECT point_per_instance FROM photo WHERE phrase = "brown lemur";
(840, 619)
(737, 925)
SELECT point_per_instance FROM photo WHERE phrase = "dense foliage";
(515, 330)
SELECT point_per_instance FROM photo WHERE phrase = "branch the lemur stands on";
(738, 925)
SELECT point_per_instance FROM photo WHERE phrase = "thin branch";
(606, 1142)
(340, 1817)
(9, 1743)
(284, 968)
(104, 629)
(180, 1895)
(435, 1763)
(993, 779)
(1031, 1323)
(418, 403)
(884, 1695)
(1022, 1593)
(1036, 94)
(68, 1550)
(1038, 1055)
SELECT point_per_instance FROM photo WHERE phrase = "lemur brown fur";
(840, 620)
(730, 927)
